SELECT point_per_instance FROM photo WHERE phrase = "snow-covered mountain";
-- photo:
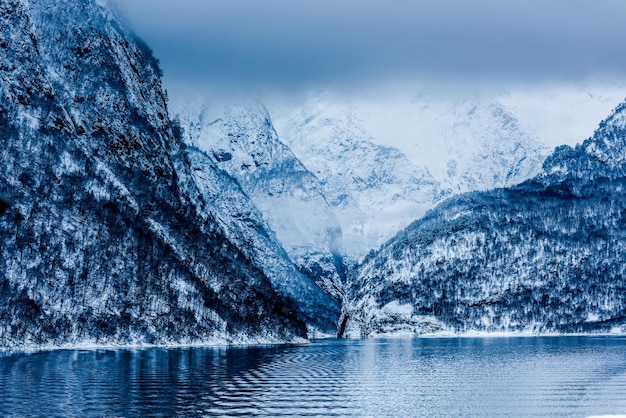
(546, 255)
(241, 140)
(374, 190)
(480, 144)
(246, 227)
(111, 236)
(384, 159)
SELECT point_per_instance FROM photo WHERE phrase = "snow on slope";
(108, 239)
(439, 142)
(246, 227)
(373, 189)
(241, 140)
(542, 256)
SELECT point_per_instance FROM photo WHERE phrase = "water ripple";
(575, 376)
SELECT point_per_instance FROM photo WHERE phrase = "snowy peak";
(373, 189)
(241, 139)
(503, 154)
(472, 143)
(602, 155)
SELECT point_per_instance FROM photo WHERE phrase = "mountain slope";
(546, 255)
(245, 226)
(374, 190)
(108, 238)
(482, 142)
(241, 140)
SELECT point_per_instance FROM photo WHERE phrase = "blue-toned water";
(548, 376)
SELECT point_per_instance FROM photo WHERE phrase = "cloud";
(289, 44)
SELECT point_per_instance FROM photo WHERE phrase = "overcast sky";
(291, 44)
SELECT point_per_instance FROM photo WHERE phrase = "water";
(551, 376)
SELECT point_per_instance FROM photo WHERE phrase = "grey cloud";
(292, 43)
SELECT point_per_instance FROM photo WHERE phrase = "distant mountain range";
(546, 255)
(383, 165)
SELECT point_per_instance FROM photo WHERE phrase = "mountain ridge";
(108, 239)
(542, 256)
(378, 184)
(241, 140)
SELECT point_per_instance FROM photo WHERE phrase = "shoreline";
(296, 342)
(145, 346)
(488, 334)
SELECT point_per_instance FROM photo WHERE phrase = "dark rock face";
(545, 256)
(108, 238)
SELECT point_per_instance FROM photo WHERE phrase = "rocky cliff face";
(241, 140)
(544, 256)
(109, 238)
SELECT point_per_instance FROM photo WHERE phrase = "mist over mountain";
(126, 223)
(382, 164)
(241, 140)
(543, 256)
(374, 189)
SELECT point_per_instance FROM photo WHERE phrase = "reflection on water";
(551, 376)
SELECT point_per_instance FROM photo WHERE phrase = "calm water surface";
(551, 376)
